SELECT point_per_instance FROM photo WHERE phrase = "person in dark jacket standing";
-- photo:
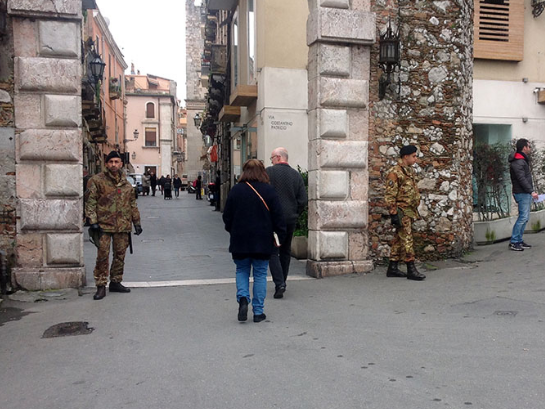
(290, 187)
(198, 186)
(162, 184)
(153, 183)
(177, 182)
(251, 215)
(523, 192)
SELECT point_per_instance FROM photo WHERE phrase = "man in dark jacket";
(290, 187)
(153, 183)
(523, 192)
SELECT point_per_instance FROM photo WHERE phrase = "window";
(151, 137)
(235, 50)
(499, 29)
(251, 42)
(150, 110)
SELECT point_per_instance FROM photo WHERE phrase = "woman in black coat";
(252, 213)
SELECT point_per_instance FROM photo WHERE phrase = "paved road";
(183, 240)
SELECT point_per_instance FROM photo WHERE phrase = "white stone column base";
(41, 279)
(321, 269)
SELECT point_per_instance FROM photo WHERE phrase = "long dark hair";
(253, 171)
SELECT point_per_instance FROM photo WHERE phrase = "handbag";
(275, 236)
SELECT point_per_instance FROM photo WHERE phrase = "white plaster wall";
(166, 137)
(282, 103)
(506, 103)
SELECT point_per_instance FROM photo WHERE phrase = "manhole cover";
(506, 313)
(65, 329)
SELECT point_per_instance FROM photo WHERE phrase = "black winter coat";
(290, 187)
(249, 222)
(521, 178)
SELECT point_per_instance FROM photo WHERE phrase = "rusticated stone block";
(64, 249)
(331, 185)
(341, 26)
(334, 60)
(7, 149)
(63, 111)
(28, 108)
(328, 245)
(63, 180)
(359, 184)
(59, 39)
(29, 181)
(41, 279)
(322, 269)
(52, 8)
(328, 215)
(29, 250)
(361, 63)
(337, 154)
(358, 245)
(337, 92)
(43, 144)
(48, 74)
(359, 124)
(328, 123)
(339, 4)
(25, 38)
(50, 214)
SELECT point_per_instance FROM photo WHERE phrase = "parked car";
(138, 180)
(133, 183)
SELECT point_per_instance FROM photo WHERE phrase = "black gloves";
(95, 228)
(137, 229)
(395, 220)
(95, 233)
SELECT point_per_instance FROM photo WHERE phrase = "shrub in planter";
(301, 227)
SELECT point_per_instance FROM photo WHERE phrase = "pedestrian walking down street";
(217, 192)
(251, 215)
(523, 192)
(167, 187)
(177, 183)
(111, 211)
(146, 183)
(402, 199)
(290, 187)
(153, 183)
(161, 184)
(198, 186)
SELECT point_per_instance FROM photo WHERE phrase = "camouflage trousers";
(402, 246)
(120, 244)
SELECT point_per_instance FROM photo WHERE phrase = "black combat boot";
(119, 288)
(394, 271)
(243, 309)
(413, 273)
(101, 292)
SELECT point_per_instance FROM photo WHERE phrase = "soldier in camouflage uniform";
(402, 199)
(111, 210)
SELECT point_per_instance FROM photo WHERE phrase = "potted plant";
(299, 244)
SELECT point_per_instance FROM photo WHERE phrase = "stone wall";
(7, 149)
(433, 111)
(194, 44)
(48, 143)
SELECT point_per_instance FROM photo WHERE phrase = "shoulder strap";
(259, 196)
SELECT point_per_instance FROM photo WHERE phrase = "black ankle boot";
(243, 309)
(394, 271)
(101, 292)
(413, 273)
(119, 288)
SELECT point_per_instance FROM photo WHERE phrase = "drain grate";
(65, 329)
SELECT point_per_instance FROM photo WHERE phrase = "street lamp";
(134, 155)
(135, 134)
(197, 119)
(389, 56)
(97, 68)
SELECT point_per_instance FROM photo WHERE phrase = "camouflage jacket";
(402, 191)
(110, 202)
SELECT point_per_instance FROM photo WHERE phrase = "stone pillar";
(339, 34)
(47, 104)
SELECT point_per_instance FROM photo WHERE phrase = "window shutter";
(150, 110)
(499, 30)
(151, 137)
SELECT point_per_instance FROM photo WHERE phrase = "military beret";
(113, 154)
(407, 150)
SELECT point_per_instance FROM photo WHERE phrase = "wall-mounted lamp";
(537, 7)
(133, 155)
(198, 120)
(135, 134)
(97, 68)
(389, 57)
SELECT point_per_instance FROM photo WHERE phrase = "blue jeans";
(524, 201)
(260, 282)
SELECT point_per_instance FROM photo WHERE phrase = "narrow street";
(183, 240)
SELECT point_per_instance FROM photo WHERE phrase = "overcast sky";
(151, 35)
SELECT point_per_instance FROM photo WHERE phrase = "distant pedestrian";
(290, 187)
(198, 187)
(162, 184)
(217, 191)
(153, 183)
(523, 192)
(167, 187)
(177, 183)
(402, 198)
(111, 210)
(251, 215)
(146, 183)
